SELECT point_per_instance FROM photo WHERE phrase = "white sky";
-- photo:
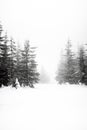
(47, 24)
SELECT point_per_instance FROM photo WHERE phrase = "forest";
(72, 67)
(20, 64)
(17, 63)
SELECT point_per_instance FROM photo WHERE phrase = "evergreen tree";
(12, 61)
(60, 75)
(83, 65)
(28, 66)
(66, 70)
(34, 75)
(16, 63)
(25, 64)
(4, 77)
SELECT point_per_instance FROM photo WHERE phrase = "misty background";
(47, 24)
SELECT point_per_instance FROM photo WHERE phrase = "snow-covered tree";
(81, 55)
(16, 63)
(60, 74)
(34, 75)
(83, 64)
(12, 61)
(4, 76)
(66, 70)
(28, 66)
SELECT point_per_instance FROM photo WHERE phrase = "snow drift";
(47, 107)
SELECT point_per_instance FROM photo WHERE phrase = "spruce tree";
(28, 66)
(4, 77)
(60, 74)
(66, 70)
(12, 61)
(83, 65)
(34, 75)
(25, 64)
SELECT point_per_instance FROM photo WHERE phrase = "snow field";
(47, 107)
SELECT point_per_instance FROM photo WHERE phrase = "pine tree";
(28, 66)
(25, 64)
(12, 62)
(34, 75)
(60, 75)
(4, 77)
(83, 65)
(66, 70)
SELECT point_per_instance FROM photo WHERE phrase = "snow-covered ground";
(47, 107)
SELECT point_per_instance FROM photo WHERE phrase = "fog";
(47, 24)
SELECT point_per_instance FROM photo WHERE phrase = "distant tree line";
(73, 65)
(17, 63)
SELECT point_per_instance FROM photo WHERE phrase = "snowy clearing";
(47, 107)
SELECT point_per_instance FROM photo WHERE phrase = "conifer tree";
(28, 66)
(25, 64)
(60, 75)
(12, 63)
(83, 65)
(34, 75)
(66, 70)
(4, 77)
